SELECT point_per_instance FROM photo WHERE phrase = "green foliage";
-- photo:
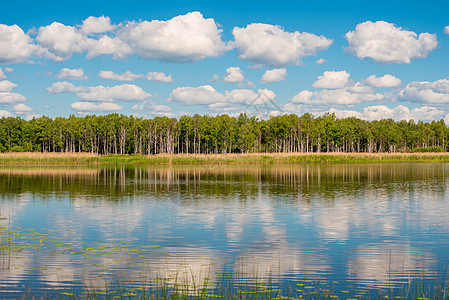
(17, 149)
(120, 134)
(427, 149)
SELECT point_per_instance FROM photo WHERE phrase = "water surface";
(357, 226)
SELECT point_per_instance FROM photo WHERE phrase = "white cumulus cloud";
(386, 43)
(127, 76)
(10, 98)
(72, 74)
(446, 29)
(21, 108)
(240, 96)
(59, 41)
(184, 38)
(159, 77)
(343, 113)
(233, 75)
(332, 80)
(400, 112)
(208, 95)
(108, 46)
(97, 25)
(64, 87)
(320, 61)
(95, 107)
(15, 45)
(2, 75)
(385, 81)
(262, 96)
(7, 86)
(124, 92)
(6, 94)
(272, 46)
(345, 96)
(436, 92)
(236, 98)
(224, 107)
(205, 94)
(5, 113)
(151, 106)
(274, 75)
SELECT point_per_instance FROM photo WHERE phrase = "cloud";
(124, 92)
(386, 43)
(237, 97)
(205, 94)
(426, 113)
(272, 46)
(337, 88)
(215, 78)
(274, 75)
(127, 76)
(233, 75)
(7, 86)
(341, 113)
(184, 38)
(6, 94)
(97, 25)
(106, 46)
(10, 98)
(224, 107)
(261, 97)
(2, 75)
(159, 77)
(355, 94)
(436, 92)
(446, 29)
(377, 112)
(320, 61)
(150, 105)
(21, 108)
(208, 95)
(5, 113)
(15, 46)
(59, 41)
(91, 107)
(9, 70)
(303, 97)
(332, 80)
(240, 96)
(71, 74)
(385, 81)
(64, 87)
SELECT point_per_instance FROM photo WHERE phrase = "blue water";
(354, 229)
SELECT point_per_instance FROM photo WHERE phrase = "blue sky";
(387, 59)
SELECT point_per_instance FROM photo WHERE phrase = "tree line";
(121, 134)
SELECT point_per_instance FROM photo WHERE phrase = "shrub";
(428, 149)
(17, 149)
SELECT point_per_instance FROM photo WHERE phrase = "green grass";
(191, 159)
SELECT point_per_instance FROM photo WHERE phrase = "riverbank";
(189, 159)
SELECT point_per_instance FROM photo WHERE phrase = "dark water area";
(355, 229)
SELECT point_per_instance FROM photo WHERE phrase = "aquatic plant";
(164, 278)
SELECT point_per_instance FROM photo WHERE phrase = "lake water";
(347, 230)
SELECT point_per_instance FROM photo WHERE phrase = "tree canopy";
(120, 134)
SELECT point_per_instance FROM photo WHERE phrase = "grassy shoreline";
(198, 159)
